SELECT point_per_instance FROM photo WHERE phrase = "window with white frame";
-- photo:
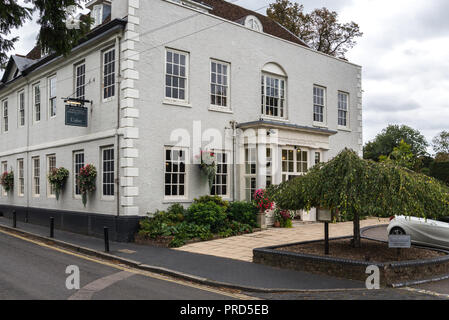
(219, 84)
(273, 96)
(319, 96)
(250, 172)
(37, 102)
(253, 23)
(175, 172)
(21, 178)
(21, 108)
(108, 73)
(294, 163)
(80, 81)
(5, 116)
(78, 163)
(52, 96)
(108, 183)
(269, 166)
(176, 75)
(36, 176)
(4, 169)
(51, 165)
(317, 157)
(220, 186)
(343, 109)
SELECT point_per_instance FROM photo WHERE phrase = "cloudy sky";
(404, 54)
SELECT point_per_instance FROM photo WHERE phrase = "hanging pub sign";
(76, 114)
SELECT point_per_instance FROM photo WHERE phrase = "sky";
(404, 53)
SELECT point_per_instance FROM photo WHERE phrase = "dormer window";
(253, 23)
(100, 10)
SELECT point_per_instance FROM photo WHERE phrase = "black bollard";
(52, 227)
(14, 219)
(326, 238)
(106, 239)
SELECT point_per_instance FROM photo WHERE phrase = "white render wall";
(52, 136)
(207, 37)
(147, 122)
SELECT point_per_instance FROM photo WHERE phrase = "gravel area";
(370, 251)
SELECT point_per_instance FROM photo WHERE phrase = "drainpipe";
(30, 119)
(117, 137)
(234, 169)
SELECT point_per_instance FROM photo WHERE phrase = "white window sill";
(347, 129)
(320, 125)
(177, 103)
(268, 118)
(51, 197)
(107, 198)
(108, 99)
(221, 109)
(176, 200)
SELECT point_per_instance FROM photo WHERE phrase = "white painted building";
(168, 79)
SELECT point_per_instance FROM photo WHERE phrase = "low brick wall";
(390, 273)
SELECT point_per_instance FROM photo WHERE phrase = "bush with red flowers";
(262, 200)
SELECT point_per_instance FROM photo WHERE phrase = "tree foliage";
(391, 137)
(54, 36)
(356, 188)
(12, 15)
(319, 29)
(402, 156)
(440, 143)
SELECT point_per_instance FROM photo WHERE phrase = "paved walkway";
(241, 247)
(205, 265)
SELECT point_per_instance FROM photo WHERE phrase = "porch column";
(261, 166)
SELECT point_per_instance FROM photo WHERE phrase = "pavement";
(28, 271)
(214, 268)
(241, 247)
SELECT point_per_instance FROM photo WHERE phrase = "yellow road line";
(132, 270)
(431, 293)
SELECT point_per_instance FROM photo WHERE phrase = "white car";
(424, 232)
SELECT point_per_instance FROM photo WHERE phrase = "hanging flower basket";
(86, 181)
(57, 178)
(7, 181)
(209, 166)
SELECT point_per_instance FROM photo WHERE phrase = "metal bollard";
(14, 219)
(52, 227)
(106, 239)
(326, 238)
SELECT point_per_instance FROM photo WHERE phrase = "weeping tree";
(357, 188)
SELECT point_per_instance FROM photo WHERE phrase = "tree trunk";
(356, 240)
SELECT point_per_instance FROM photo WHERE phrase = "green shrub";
(158, 225)
(207, 214)
(186, 231)
(440, 170)
(244, 212)
(216, 199)
(175, 213)
(234, 228)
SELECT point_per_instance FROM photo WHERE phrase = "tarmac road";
(32, 271)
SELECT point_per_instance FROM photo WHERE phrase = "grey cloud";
(389, 104)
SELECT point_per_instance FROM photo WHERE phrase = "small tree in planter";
(264, 203)
(86, 181)
(209, 166)
(57, 178)
(7, 181)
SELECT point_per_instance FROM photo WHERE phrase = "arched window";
(274, 91)
(253, 23)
